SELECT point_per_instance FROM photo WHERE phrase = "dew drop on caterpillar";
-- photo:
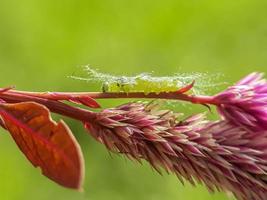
(147, 83)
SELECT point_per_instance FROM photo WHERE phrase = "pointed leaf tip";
(186, 88)
(85, 100)
(47, 144)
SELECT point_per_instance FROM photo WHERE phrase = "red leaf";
(85, 100)
(79, 99)
(48, 145)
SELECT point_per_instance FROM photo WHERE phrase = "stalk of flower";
(219, 154)
(246, 102)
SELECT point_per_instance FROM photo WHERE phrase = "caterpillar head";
(105, 87)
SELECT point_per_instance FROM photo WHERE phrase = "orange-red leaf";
(48, 145)
(85, 100)
(78, 99)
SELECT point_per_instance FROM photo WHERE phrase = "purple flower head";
(220, 154)
(246, 102)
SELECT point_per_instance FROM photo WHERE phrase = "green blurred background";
(43, 42)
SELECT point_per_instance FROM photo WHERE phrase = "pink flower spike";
(218, 154)
(246, 102)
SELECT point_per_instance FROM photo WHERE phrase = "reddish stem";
(52, 100)
(115, 95)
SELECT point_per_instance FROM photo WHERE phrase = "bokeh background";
(43, 42)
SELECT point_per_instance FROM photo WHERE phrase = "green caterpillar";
(142, 83)
(147, 83)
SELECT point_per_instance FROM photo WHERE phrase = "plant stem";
(52, 100)
(115, 95)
